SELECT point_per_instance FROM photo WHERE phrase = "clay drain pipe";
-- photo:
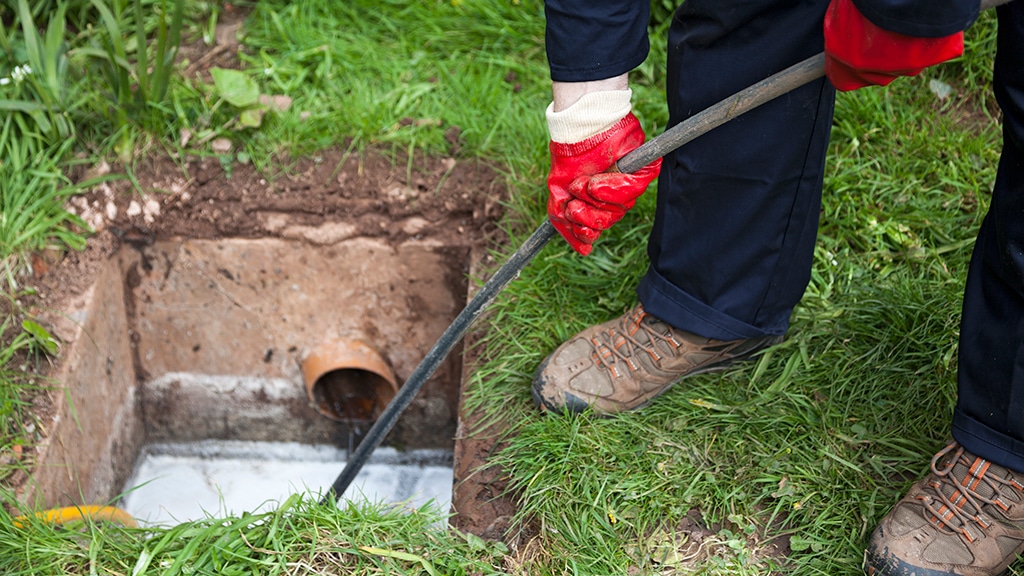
(699, 124)
(348, 381)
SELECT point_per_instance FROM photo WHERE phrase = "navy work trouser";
(989, 416)
(737, 215)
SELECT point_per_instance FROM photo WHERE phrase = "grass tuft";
(300, 537)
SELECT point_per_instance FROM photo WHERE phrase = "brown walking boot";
(625, 363)
(966, 517)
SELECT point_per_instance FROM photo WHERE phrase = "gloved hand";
(585, 200)
(858, 53)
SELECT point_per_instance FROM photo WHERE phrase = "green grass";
(403, 75)
(300, 537)
(26, 346)
(812, 442)
(31, 201)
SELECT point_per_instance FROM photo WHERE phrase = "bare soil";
(321, 200)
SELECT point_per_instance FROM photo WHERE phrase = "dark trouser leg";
(737, 215)
(989, 417)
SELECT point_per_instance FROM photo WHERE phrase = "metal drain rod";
(697, 125)
(452, 335)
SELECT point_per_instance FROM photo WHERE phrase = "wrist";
(565, 94)
(591, 114)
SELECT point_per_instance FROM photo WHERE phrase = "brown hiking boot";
(625, 363)
(966, 517)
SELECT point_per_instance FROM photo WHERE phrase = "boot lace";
(954, 499)
(620, 345)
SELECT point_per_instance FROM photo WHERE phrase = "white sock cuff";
(590, 115)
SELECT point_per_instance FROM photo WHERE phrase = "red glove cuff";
(858, 53)
(626, 130)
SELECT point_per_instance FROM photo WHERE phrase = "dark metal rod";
(739, 103)
(986, 4)
(452, 335)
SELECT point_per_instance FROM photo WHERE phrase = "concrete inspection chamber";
(184, 362)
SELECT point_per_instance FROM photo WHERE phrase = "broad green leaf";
(251, 117)
(401, 556)
(41, 336)
(235, 87)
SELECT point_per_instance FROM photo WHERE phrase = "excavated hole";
(188, 376)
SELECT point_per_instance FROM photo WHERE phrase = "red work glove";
(585, 200)
(858, 53)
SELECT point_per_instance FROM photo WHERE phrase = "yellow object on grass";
(73, 513)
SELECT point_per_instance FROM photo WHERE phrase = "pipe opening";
(351, 395)
(348, 381)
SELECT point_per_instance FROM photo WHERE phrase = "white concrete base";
(174, 483)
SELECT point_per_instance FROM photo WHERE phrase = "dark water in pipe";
(351, 396)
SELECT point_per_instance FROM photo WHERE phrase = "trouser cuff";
(664, 300)
(988, 443)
